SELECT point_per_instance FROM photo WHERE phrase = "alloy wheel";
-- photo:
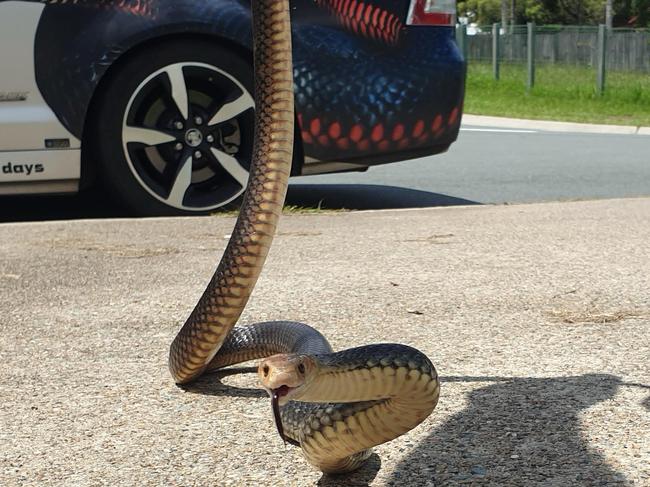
(187, 136)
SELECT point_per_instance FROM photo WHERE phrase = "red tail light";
(432, 12)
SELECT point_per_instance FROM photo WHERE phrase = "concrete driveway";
(536, 316)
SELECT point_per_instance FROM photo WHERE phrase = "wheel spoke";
(179, 89)
(146, 136)
(181, 183)
(232, 109)
(232, 166)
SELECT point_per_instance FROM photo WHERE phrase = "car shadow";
(517, 431)
(96, 203)
(367, 197)
(86, 205)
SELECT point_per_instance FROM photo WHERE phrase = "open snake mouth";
(276, 394)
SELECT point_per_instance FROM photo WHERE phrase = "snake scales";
(336, 406)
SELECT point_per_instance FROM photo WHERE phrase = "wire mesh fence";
(625, 49)
(560, 49)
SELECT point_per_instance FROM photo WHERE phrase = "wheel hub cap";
(193, 137)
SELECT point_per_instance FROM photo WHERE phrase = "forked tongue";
(276, 394)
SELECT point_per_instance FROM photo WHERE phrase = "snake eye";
(301, 368)
(265, 370)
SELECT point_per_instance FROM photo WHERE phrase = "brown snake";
(336, 406)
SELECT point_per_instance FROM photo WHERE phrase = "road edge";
(552, 126)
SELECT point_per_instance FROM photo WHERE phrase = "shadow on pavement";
(358, 478)
(515, 432)
(210, 384)
(366, 197)
(96, 203)
(88, 204)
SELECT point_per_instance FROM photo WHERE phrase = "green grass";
(288, 210)
(564, 93)
(304, 210)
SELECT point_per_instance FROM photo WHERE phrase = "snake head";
(285, 376)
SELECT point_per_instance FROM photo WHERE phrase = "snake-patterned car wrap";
(367, 86)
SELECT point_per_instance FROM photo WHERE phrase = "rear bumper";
(356, 102)
(315, 167)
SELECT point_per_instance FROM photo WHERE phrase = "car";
(153, 98)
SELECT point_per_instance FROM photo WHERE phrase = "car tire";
(173, 129)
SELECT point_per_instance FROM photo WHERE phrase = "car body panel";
(26, 120)
(49, 171)
(359, 101)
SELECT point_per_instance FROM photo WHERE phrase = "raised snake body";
(336, 406)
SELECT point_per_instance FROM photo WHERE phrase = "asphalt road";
(500, 166)
(484, 166)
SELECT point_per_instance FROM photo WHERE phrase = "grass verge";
(565, 93)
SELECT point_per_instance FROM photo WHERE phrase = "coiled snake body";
(336, 406)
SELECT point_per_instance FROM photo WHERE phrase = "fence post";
(495, 50)
(602, 59)
(530, 80)
(461, 40)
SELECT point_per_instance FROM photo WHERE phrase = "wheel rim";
(187, 136)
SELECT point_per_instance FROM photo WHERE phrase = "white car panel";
(26, 121)
(39, 165)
